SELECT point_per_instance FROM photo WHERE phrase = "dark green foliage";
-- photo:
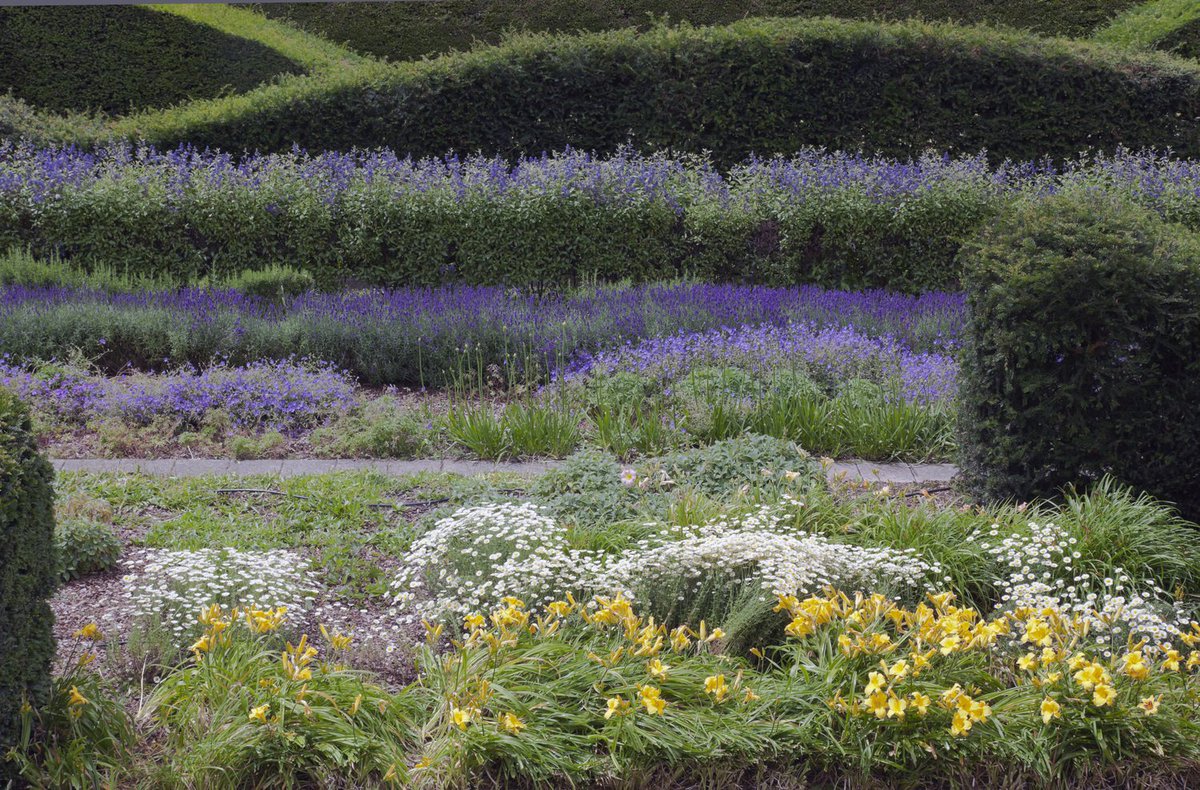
(764, 85)
(115, 58)
(28, 569)
(1083, 352)
(404, 31)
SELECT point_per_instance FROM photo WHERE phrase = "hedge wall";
(768, 86)
(115, 58)
(405, 31)
(28, 569)
(1082, 352)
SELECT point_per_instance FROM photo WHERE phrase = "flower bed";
(425, 336)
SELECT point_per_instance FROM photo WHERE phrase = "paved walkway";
(897, 474)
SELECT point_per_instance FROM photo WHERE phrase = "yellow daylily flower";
(1050, 710)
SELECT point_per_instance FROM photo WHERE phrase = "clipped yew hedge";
(28, 571)
(406, 31)
(767, 85)
(114, 58)
(1082, 352)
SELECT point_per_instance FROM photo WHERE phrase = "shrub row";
(768, 85)
(1083, 352)
(114, 58)
(1168, 25)
(28, 570)
(837, 220)
(406, 31)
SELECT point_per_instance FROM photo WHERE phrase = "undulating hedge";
(1082, 352)
(1168, 25)
(406, 31)
(766, 86)
(114, 58)
(28, 570)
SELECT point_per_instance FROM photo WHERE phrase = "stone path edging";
(894, 474)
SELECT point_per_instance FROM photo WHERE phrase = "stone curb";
(894, 474)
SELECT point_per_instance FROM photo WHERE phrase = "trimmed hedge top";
(1167, 25)
(766, 86)
(406, 31)
(114, 58)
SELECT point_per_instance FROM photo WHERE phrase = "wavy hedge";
(406, 31)
(769, 85)
(1167, 25)
(114, 58)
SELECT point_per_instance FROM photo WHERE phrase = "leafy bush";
(764, 86)
(750, 461)
(1083, 351)
(404, 31)
(28, 569)
(115, 58)
(274, 282)
(85, 546)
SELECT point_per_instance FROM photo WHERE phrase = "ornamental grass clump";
(169, 588)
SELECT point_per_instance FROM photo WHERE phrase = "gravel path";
(891, 473)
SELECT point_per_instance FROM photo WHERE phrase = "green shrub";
(1082, 351)
(404, 31)
(274, 282)
(765, 86)
(1168, 25)
(28, 569)
(112, 58)
(85, 546)
(721, 468)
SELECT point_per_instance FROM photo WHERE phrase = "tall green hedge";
(114, 58)
(28, 569)
(1082, 352)
(766, 86)
(406, 31)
